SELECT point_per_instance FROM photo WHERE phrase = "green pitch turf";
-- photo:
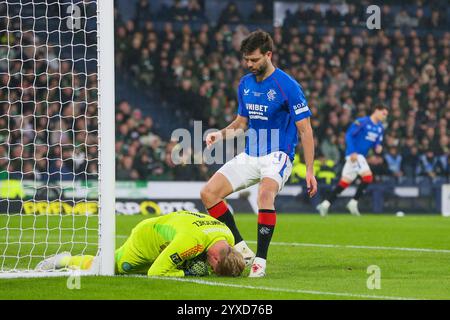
(310, 258)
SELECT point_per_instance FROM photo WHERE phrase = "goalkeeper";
(176, 244)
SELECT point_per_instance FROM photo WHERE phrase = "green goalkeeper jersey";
(166, 242)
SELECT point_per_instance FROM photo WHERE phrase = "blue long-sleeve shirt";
(362, 135)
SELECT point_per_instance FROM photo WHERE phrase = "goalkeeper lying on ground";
(176, 244)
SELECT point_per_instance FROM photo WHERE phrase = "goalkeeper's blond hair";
(231, 264)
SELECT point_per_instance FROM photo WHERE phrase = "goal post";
(105, 23)
(57, 134)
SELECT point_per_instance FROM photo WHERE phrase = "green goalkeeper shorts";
(129, 262)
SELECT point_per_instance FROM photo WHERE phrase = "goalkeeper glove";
(197, 268)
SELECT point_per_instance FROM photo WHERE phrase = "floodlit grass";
(310, 258)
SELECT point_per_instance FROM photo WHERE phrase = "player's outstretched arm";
(235, 128)
(305, 130)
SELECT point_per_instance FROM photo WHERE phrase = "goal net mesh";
(48, 131)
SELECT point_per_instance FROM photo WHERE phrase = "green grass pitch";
(310, 258)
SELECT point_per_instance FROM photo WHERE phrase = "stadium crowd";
(48, 113)
(343, 68)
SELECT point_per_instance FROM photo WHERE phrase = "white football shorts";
(352, 170)
(243, 170)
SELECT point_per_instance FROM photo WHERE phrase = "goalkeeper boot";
(323, 207)
(246, 252)
(258, 268)
(352, 206)
(53, 262)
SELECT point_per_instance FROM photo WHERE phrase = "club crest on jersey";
(271, 95)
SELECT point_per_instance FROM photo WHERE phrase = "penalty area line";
(273, 289)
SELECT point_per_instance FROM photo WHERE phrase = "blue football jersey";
(362, 135)
(272, 107)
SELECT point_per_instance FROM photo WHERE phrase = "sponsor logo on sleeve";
(176, 258)
(300, 108)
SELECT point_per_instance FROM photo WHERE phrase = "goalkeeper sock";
(339, 188)
(266, 224)
(221, 212)
(77, 262)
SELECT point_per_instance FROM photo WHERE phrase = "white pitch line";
(313, 292)
(293, 244)
(349, 246)
(296, 244)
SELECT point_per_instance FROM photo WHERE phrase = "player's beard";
(260, 71)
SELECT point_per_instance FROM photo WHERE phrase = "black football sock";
(266, 226)
(221, 212)
(360, 191)
(336, 191)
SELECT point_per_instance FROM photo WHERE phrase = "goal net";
(56, 133)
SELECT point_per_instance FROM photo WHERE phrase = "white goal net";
(52, 172)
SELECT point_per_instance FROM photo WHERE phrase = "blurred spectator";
(387, 19)
(195, 11)
(230, 14)
(351, 17)
(59, 171)
(430, 165)
(315, 14)
(378, 166)
(332, 15)
(437, 20)
(404, 20)
(259, 14)
(410, 158)
(329, 146)
(394, 162)
(142, 12)
(125, 170)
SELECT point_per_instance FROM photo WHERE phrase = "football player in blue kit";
(365, 133)
(273, 112)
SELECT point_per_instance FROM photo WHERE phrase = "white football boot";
(258, 268)
(323, 207)
(352, 206)
(246, 252)
(53, 262)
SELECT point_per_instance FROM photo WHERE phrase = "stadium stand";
(182, 59)
(342, 67)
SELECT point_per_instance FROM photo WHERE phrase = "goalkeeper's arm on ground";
(174, 259)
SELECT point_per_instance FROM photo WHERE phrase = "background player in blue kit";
(365, 133)
(273, 108)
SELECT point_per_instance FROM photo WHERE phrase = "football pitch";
(311, 257)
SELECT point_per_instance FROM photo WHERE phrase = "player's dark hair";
(379, 106)
(258, 39)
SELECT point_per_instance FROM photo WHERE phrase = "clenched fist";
(212, 138)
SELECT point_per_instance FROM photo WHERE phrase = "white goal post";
(445, 200)
(57, 134)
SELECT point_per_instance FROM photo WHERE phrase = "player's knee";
(207, 194)
(344, 184)
(266, 197)
(367, 179)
